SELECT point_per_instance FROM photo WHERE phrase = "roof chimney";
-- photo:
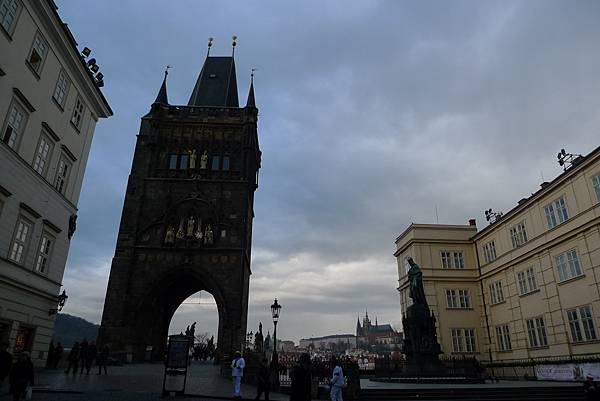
(472, 222)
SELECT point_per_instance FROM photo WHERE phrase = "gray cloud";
(371, 115)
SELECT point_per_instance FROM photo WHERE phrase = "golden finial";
(234, 38)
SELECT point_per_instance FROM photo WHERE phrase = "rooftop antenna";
(233, 44)
(210, 40)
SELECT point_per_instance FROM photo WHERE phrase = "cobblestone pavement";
(134, 382)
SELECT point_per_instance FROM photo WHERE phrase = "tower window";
(215, 163)
(225, 163)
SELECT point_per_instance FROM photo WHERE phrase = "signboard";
(176, 364)
(568, 371)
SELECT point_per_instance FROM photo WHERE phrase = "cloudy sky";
(372, 114)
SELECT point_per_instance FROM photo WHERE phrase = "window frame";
(518, 234)
(64, 178)
(527, 281)
(503, 340)
(19, 107)
(11, 28)
(64, 91)
(464, 340)
(556, 212)
(566, 265)
(47, 255)
(489, 251)
(496, 292)
(78, 111)
(37, 159)
(596, 185)
(23, 243)
(584, 326)
(537, 335)
(452, 259)
(217, 159)
(458, 298)
(43, 57)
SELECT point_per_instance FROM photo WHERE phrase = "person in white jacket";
(237, 371)
(337, 381)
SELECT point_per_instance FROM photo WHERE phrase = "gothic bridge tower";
(186, 223)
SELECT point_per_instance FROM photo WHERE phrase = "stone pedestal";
(420, 342)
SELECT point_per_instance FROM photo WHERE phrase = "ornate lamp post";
(275, 308)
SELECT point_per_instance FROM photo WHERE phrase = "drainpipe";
(487, 321)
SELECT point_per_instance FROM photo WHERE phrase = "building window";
(453, 260)
(463, 340)
(215, 163)
(556, 212)
(536, 331)
(42, 154)
(596, 184)
(9, 10)
(20, 240)
(496, 293)
(43, 256)
(503, 338)
(518, 235)
(527, 281)
(458, 299)
(568, 265)
(78, 113)
(581, 322)
(62, 88)
(225, 163)
(62, 175)
(38, 52)
(489, 251)
(173, 162)
(184, 161)
(15, 124)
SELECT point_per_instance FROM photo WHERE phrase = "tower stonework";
(187, 217)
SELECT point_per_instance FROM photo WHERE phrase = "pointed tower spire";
(251, 102)
(358, 325)
(162, 93)
(376, 324)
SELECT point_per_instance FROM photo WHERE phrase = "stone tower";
(186, 223)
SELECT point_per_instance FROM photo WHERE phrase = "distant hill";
(68, 329)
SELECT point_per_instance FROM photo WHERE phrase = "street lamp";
(62, 300)
(275, 308)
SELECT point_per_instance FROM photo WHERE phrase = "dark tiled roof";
(382, 328)
(216, 84)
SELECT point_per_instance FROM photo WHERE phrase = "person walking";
(58, 351)
(21, 376)
(102, 360)
(92, 353)
(237, 372)
(5, 363)
(301, 380)
(263, 384)
(338, 381)
(73, 358)
(83, 350)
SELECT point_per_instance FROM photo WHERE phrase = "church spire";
(162, 93)
(251, 102)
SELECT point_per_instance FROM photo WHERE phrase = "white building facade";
(50, 103)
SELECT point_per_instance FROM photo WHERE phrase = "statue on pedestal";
(170, 236)
(204, 160)
(190, 226)
(180, 233)
(198, 234)
(193, 157)
(208, 236)
(415, 282)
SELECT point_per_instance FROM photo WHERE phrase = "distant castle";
(370, 335)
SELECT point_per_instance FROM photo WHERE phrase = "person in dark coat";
(50, 359)
(590, 389)
(58, 351)
(73, 358)
(102, 360)
(5, 363)
(301, 380)
(21, 376)
(92, 352)
(83, 353)
(263, 384)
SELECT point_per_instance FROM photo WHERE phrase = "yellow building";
(527, 285)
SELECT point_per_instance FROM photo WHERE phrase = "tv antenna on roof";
(567, 160)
